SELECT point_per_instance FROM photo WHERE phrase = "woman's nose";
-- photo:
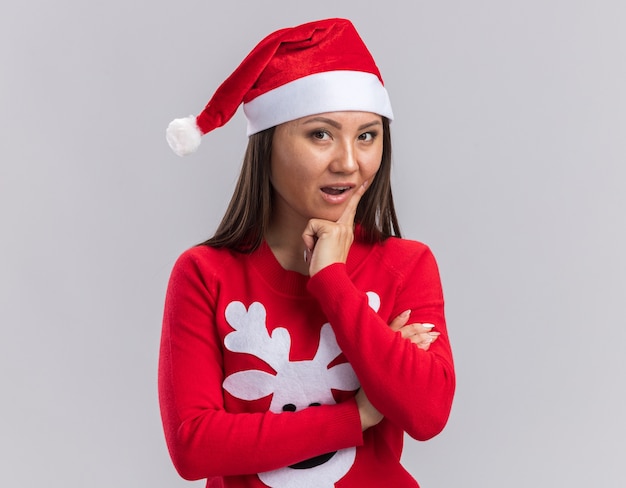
(345, 159)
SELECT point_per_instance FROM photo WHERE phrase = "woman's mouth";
(337, 194)
(335, 190)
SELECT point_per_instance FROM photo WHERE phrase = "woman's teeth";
(335, 190)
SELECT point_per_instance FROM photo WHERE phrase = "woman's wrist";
(367, 412)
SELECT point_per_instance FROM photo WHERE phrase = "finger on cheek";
(350, 211)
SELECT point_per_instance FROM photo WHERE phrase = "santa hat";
(318, 67)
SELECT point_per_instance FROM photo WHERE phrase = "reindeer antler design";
(251, 335)
(297, 383)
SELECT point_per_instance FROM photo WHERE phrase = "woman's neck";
(284, 237)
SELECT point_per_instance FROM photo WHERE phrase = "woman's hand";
(421, 334)
(329, 242)
(369, 415)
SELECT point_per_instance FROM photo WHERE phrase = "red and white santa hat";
(313, 68)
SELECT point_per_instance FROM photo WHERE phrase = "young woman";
(305, 337)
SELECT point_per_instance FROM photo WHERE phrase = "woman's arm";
(410, 386)
(203, 438)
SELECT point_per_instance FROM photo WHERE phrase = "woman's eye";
(367, 136)
(320, 135)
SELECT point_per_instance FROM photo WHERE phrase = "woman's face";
(319, 161)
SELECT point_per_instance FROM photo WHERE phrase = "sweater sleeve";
(205, 440)
(411, 387)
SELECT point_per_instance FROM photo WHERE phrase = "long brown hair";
(248, 214)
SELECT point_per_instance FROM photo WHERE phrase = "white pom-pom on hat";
(183, 135)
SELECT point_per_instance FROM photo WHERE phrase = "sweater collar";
(292, 282)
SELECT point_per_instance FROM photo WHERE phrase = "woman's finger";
(417, 334)
(309, 236)
(400, 321)
(347, 217)
(424, 327)
(424, 341)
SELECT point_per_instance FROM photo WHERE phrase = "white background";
(509, 161)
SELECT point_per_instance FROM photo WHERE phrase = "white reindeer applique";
(296, 385)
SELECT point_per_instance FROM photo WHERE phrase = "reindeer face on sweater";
(296, 385)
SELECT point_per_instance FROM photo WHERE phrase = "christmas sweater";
(259, 366)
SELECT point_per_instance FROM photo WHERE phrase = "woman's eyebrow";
(337, 125)
(324, 120)
(370, 124)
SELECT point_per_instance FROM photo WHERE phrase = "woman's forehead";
(339, 119)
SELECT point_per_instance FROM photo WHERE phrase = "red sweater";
(259, 366)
